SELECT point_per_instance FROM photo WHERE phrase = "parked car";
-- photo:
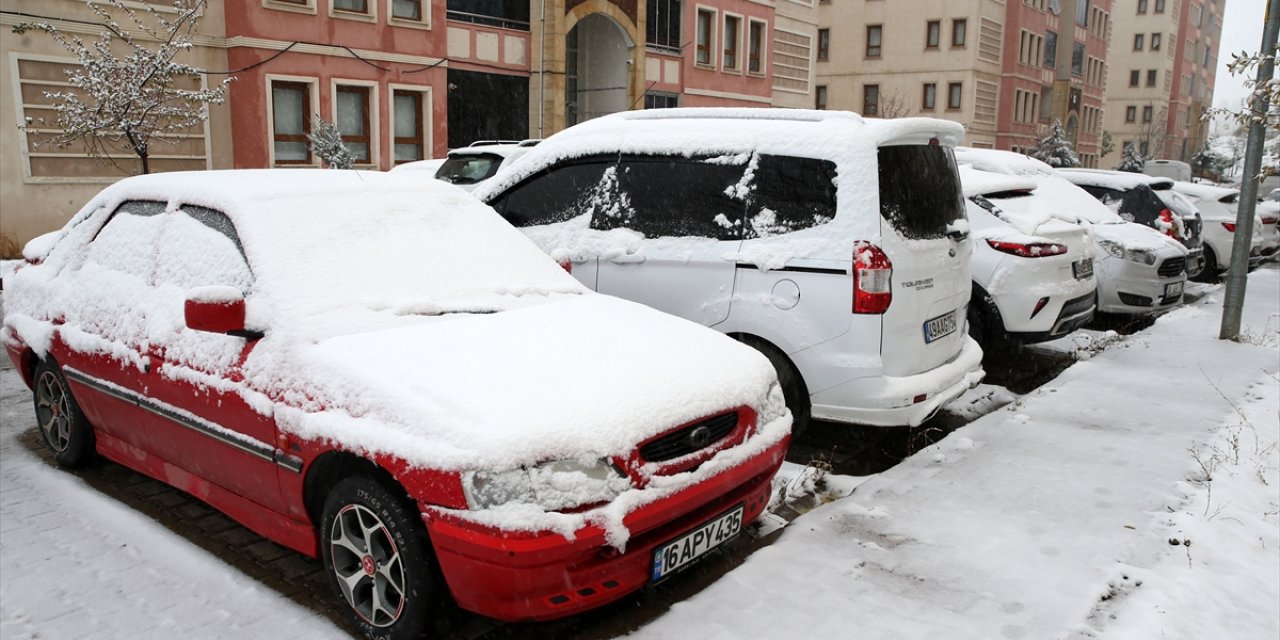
(1217, 206)
(427, 168)
(470, 166)
(1139, 271)
(1171, 169)
(838, 247)
(382, 373)
(1268, 212)
(1148, 201)
(1032, 274)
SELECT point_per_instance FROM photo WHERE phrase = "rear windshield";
(469, 169)
(920, 189)
(1140, 204)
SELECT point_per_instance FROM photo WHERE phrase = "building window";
(1082, 12)
(1137, 41)
(661, 101)
(409, 132)
(1050, 49)
(1146, 113)
(291, 122)
(958, 28)
(1159, 6)
(1130, 114)
(1135, 77)
(824, 44)
(1077, 59)
(705, 20)
(663, 26)
(1142, 6)
(954, 95)
(871, 100)
(932, 34)
(1155, 42)
(731, 34)
(929, 98)
(407, 10)
(755, 46)
(820, 97)
(353, 121)
(351, 6)
(874, 34)
(1152, 75)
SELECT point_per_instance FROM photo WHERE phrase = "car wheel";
(379, 561)
(63, 426)
(1210, 271)
(794, 390)
(986, 326)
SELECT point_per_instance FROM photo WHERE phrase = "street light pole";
(1237, 275)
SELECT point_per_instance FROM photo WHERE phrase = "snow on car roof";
(977, 182)
(834, 135)
(1118, 180)
(1054, 197)
(1203, 191)
(1006, 162)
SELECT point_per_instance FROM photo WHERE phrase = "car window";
(920, 192)
(199, 247)
(1140, 204)
(469, 168)
(790, 194)
(556, 195)
(1105, 195)
(674, 197)
(125, 244)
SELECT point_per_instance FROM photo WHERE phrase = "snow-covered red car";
(383, 373)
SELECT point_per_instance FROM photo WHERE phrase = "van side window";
(920, 190)
(674, 197)
(561, 193)
(790, 194)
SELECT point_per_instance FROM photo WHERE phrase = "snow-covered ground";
(1053, 517)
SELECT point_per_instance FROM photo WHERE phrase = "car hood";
(1132, 235)
(587, 375)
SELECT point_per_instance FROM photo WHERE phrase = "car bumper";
(1064, 305)
(1072, 315)
(517, 576)
(891, 401)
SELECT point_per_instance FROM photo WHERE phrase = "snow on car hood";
(1132, 235)
(585, 375)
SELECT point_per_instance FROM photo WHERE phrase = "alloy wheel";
(367, 565)
(53, 413)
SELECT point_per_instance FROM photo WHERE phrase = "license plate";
(685, 550)
(1173, 289)
(1082, 268)
(940, 327)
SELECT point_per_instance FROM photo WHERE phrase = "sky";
(1241, 31)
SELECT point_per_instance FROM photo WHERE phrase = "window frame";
(956, 90)
(878, 29)
(1131, 114)
(821, 96)
(933, 32)
(871, 109)
(712, 17)
(1156, 40)
(371, 121)
(759, 55)
(1135, 77)
(822, 50)
(929, 96)
(1148, 114)
(370, 13)
(424, 119)
(312, 97)
(1139, 40)
(736, 50)
(1153, 77)
(424, 10)
(959, 27)
(1142, 7)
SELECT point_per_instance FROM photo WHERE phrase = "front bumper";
(516, 576)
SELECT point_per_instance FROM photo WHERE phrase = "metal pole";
(542, 67)
(1237, 275)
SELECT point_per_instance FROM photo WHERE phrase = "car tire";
(379, 561)
(793, 388)
(63, 426)
(986, 326)
(1210, 271)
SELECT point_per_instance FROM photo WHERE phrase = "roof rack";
(485, 143)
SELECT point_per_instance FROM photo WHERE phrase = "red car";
(381, 372)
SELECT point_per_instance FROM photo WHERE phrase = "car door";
(689, 214)
(203, 424)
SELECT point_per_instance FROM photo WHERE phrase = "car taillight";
(1270, 220)
(872, 279)
(1028, 249)
(1167, 217)
(1229, 226)
(567, 265)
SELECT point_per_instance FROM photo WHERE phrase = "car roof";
(1203, 191)
(504, 148)
(1118, 180)
(977, 182)
(1006, 162)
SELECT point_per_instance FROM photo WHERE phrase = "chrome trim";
(255, 448)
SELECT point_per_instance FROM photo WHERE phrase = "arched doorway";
(597, 69)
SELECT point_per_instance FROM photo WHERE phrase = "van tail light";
(1229, 226)
(1028, 249)
(567, 265)
(872, 279)
(1166, 216)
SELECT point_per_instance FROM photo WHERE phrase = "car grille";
(694, 437)
(1078, 305)
(1172, 267)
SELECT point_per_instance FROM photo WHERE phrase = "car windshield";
(469, 168)
(920, 191)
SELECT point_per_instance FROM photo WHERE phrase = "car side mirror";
(217, 309)
(39, 247)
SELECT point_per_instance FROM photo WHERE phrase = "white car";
(427, 168)
(837, 246)
(1032, 274)
(1218, 206)
(472, 165)
(1139, 270)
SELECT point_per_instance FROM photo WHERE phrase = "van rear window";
(920, 189)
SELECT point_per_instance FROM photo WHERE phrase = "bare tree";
(129, 90)
(894, 105)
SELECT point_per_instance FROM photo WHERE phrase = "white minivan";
(837, 246)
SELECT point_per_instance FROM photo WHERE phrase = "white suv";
(837, 246)
(470, 166)
(1032, 273)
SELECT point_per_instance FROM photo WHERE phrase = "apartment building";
(1006, 69)
(1165, 55)
(402, 79)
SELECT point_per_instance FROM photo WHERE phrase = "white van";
(837, 246)
(1172, 169)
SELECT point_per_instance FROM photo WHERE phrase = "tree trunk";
(146, 162)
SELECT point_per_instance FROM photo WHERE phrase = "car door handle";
(630, 258)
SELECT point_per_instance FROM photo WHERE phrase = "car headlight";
(554, 485)
(1141, 256)
(1112, 248)
(774, 407)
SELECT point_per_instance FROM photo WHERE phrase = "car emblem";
(700, 437)
(952, 252)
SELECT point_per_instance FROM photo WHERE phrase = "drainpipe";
(542, 67)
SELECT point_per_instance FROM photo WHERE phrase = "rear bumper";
(1073, 314)
(889, 401)
(518, 576)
